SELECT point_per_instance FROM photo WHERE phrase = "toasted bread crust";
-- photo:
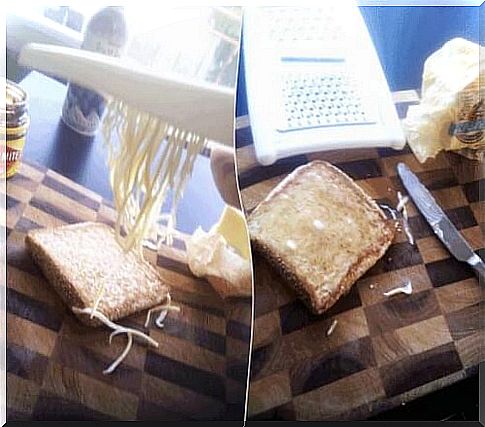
(366, 259)
(227, 289)
(53, 273)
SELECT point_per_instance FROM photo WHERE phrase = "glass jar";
(106, 33)
(14, 126)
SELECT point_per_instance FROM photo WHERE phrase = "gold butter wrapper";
(467, 132)
(451, 113)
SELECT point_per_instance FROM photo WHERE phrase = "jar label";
(10, 156)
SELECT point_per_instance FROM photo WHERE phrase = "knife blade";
(442, 227)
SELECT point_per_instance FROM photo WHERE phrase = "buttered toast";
(321, 231)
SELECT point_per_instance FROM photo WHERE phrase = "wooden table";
(383, 352)
(55, 363)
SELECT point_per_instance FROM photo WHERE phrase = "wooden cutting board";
(54, 363)
(383, 352)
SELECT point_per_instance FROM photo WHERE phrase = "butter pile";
(232, 226)
(451, 115)
(222, 255)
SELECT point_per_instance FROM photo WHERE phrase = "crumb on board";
(371, 286)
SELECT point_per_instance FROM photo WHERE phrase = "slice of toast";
(321, 231)
(79, 259)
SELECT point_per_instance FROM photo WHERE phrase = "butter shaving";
(407, 289)
(332, 327)
(401, 207)
(164, 309)
(390, 210)
(110, 369)
(117, 330)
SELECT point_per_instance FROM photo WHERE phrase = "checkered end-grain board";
(384, 351)
(55, 363)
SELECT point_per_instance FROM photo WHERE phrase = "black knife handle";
(480, 272)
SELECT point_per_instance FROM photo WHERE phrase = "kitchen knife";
(439, 222)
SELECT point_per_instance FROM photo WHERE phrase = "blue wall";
(404, 37)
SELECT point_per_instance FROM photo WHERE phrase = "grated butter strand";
(98, 299)
(148, 159)
(164, 309)
(117, 329)
(332, 327)
(402, 201)
(110, 369)
(401, 207)
(407, 289)
(390, 210)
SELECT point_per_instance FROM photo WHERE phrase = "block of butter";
(451, 114)
(222, 255)
(232, 226)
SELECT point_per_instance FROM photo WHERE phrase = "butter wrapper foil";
(209, 256)
(451, 114)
